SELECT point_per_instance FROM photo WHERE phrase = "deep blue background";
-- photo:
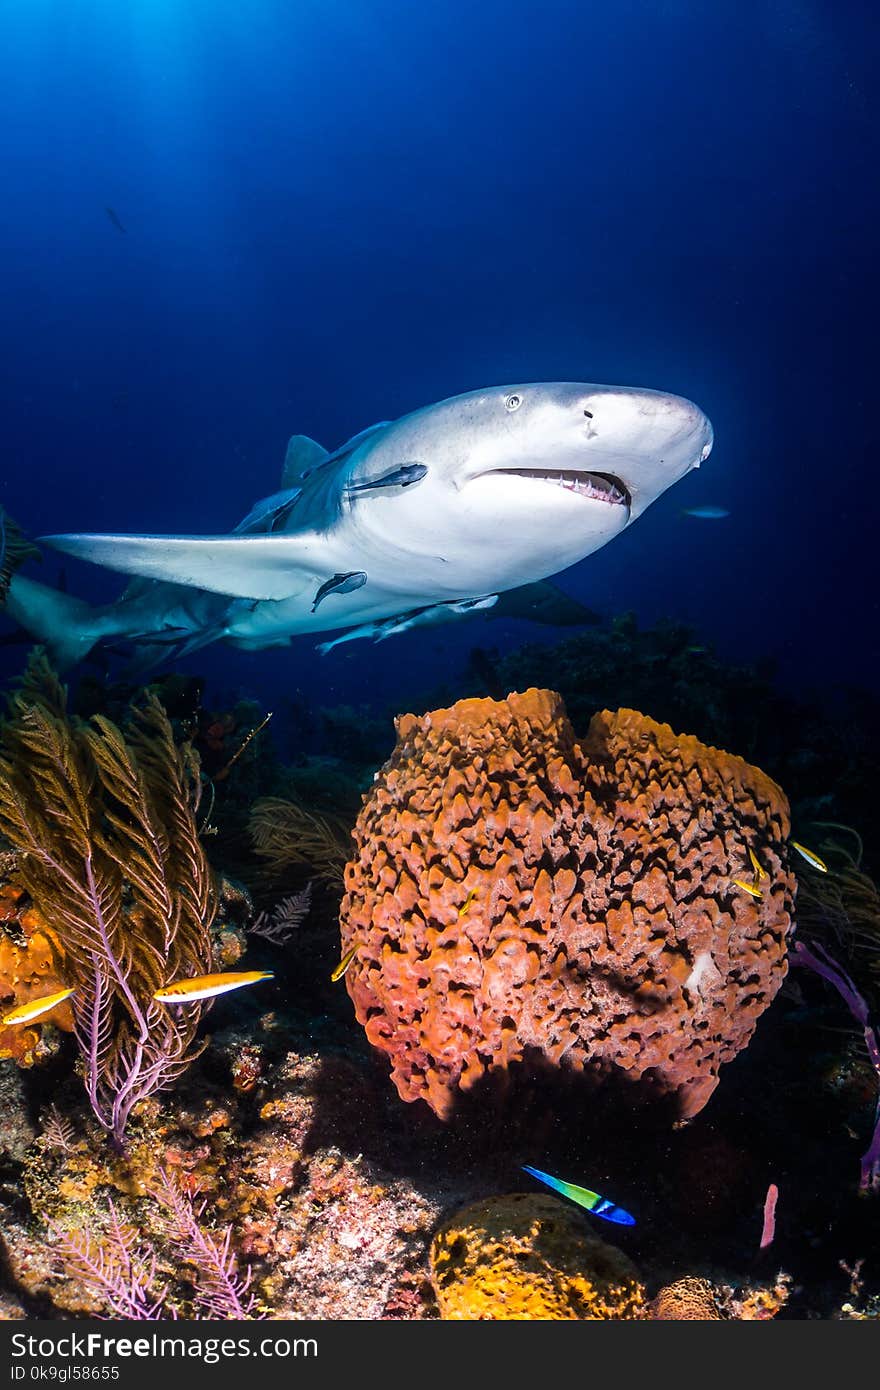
(337, 212)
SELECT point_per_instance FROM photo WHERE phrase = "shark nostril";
(589, 414)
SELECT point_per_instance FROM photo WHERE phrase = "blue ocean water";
(222, 224)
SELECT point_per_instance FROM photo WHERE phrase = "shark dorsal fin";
(302, 454)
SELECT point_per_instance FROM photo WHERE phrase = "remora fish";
(521, 482)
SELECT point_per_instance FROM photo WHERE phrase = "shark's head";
(523, 481)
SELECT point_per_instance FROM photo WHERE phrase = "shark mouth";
(600, 487)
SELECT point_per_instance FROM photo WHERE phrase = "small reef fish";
(340, 584)
(207, 986)
(751, 888)
(467, 902)
(599, 1206)
(759, 871)
(404, 476)
(25, 1013)
(344, 964)
(707, 513)
(114, 218)
(810, 857)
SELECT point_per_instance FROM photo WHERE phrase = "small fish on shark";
(404, 622)
(35, 1008)
(340, 584)
(404, 476)
(599, 1206)
(209, 986)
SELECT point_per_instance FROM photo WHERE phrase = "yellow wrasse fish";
(467, 902)
(344, 964)
(748, 887)
(25, 1013)
(206, 986)
(810, 857)
(759, 872)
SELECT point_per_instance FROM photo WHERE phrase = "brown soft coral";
(515, 890)
(31, 961)
(524, 1257)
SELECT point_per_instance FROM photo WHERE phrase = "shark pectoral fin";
(257, 567)
(302, 454)
(269, 513)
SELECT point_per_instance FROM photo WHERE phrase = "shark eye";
(513, 402)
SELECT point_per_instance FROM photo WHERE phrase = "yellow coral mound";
(689, 1299)
(525, 1257)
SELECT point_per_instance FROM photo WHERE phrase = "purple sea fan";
(816, 958)
(117, 1268)
(222, 1292)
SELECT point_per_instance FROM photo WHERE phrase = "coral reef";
(529, 1257)
(516, 894)
(32, 963)
(285, 833)
(689, 1299)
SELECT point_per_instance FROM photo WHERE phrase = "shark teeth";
(601, 487)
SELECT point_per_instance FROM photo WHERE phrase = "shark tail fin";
(67, 627)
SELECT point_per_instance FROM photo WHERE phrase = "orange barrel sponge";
(615, 905)
(524, 1257)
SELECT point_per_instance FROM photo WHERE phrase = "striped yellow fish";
(344, 964)
(810, 857)
(748, 887)
(26, 1013)
(207, 986)
(759, 872)
(467, 902)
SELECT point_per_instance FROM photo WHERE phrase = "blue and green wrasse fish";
(811, 858)
(35, 1008)
(207, 986)
(599, 1206)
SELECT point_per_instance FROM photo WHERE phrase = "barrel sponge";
(527, 1257)
(31, 958)
(515, 893)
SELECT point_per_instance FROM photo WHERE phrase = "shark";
(465, 507)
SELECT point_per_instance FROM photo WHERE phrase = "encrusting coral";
(689, 1299)
(516, 894)
(31, 966)
(525, 1257)
(104, 822)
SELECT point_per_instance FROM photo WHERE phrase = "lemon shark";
(462, 507)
